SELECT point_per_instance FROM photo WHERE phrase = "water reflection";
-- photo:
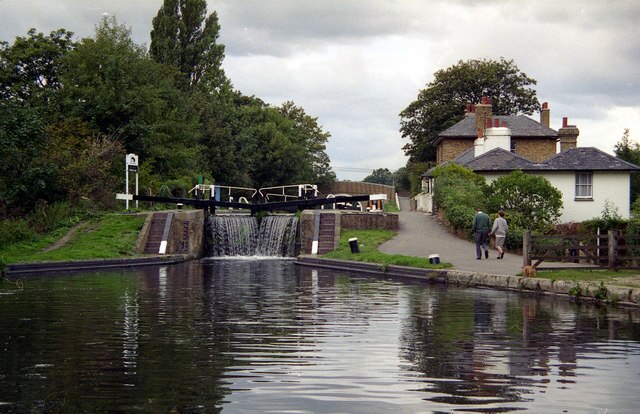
(266, 336)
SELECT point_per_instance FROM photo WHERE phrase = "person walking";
(499, 229)
(480, 226)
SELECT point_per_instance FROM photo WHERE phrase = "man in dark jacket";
(481, 226)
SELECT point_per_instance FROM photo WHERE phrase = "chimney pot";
(545, 105)
(504, 124)
(565, 122)
(496, 123)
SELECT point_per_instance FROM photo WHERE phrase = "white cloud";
(356, 64)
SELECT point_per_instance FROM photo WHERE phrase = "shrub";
(15, 231)
(608, 220)
(47, 217)
(530, 201)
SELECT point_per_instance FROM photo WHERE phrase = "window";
(584, 185)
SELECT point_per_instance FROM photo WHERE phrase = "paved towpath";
(421, 235)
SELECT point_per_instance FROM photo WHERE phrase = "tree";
(442, 103)
(23, 173)
(112, 84)
(630, 152)
(30, 68)
(311, 136)
(530, 201)
(183, 38)
(88, 164)
(380, 176)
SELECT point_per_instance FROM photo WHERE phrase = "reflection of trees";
(498, 346)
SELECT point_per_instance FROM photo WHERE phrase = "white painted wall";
(607, 185)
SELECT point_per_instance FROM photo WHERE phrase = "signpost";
(131, 165)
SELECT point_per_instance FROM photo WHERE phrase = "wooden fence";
(615, 249)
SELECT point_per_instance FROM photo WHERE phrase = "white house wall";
(613, 186)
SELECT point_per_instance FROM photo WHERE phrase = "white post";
(126, 183)
(130, 164)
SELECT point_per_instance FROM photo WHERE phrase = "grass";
(582, 275)
(368, 242)
(106, 237)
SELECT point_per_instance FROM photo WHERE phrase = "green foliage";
(601, 292)
(442, 103)
(30, 69)
(184, 36)
(458, 191)
(380, 176)
(24, 174)
(48, 217)
(15, 231)
(629, 151)
(414, 171)
(530, 201)
(609, 219)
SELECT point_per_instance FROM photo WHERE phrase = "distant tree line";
(70, 110)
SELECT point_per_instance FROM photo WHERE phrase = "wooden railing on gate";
(614, 250)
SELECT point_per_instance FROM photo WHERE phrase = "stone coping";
(65, 266)
(587, 291)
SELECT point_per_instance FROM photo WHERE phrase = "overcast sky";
(355, 64)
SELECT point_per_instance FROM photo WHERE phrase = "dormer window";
(584, 186)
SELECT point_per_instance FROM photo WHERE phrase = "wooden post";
(611, 243)
(526, 248)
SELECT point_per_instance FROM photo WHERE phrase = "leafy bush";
(15, 231)
(531, 201)
(457, 192)
(47, 217)
(609, 219)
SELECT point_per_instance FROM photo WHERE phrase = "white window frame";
(584, 185)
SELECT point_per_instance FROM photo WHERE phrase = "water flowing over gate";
(250, 236)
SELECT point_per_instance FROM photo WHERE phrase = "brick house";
(493, 146)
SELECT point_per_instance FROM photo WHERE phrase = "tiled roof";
(573, 159)
(588, 159)
(520, 126)
(498, 159)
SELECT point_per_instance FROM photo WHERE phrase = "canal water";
(267, 336)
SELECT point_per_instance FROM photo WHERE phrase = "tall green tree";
(629, 151)
(442, 102)
(184, 36)
(112, 84)
(380, 176)
(309, 134)
(30, 69)
(24, 174)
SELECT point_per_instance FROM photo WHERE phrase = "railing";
(280, 192)
(614, 250)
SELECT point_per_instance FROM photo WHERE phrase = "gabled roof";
(587, 159)
(498, 159)
(520, 126)
(573, 159)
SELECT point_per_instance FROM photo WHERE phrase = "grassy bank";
(629, 278)
(368, 242)
(107, 236)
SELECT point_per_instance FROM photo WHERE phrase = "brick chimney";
(567, 135)
(471, 109)
(545, 115)
(483, 112)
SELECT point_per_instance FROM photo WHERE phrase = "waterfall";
(241, 236)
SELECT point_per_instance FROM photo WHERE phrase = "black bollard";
(353, 244)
